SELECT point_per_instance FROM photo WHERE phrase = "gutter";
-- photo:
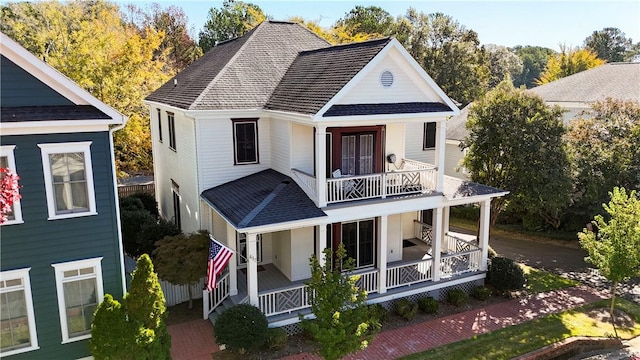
(117, 202)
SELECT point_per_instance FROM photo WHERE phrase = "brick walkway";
(194, 340)
(411, 339)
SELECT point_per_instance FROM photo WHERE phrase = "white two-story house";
(282, 145)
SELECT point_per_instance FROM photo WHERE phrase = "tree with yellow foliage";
(568, 62)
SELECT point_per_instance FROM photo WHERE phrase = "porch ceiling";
(264, 198)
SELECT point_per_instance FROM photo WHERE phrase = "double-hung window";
(17, 321)
(172, 131)
(245, 141)
(429, 139)
(7, 161)
(68, 178)
(79, 288)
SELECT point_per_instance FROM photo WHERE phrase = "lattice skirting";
(293, 329)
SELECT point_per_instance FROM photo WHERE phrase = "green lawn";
(521, 339)
(541, 281)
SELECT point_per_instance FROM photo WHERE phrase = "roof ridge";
(251, 33)
(353, 44)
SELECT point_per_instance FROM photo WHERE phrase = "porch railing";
(368, 281)
(455, 244)
(410, 273)
(215, 297)
(306, 182)
(423, 232)
(285, 300)
(460, 263)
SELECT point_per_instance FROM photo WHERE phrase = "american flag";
(219, 256)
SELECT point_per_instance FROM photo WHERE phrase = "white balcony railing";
(460, 263)
(306, 182)
(285, 300)
(367, 281)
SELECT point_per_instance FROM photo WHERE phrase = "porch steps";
(226, 304)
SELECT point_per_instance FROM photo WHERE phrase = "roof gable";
(20, 88)
(613, 80)
(62, 92)
(240, 73)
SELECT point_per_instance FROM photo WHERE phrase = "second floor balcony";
(411, 178)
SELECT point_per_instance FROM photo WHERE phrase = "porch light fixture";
(391, 158)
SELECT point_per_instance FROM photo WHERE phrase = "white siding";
(302, 151)
(219, 226)
(301, 250)
(215, 151)
(394, 238)
(452, 160)
(394, 144)
(407, 86)
(281, 242)
(179, 165)
(280, 138)
(414, 136)
(407, 224)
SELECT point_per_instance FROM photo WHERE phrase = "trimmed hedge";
(505, 274)
(428, 305)
(406, 309)
(457, 297)
(241, 328)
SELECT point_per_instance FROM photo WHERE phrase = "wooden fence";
(126, 190)
(177, 294)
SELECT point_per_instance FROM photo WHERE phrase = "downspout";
(117, 201)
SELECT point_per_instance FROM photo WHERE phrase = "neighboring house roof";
(25, 76)
(455, 188)
(316, 76)
(51, 113)
(456, 125)
(240, 73)
(615, 80)
(264, 198)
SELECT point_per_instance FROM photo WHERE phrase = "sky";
(508, 23)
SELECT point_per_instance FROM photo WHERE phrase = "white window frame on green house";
(86, 269)
(68, 148)
(6, 151)
(18, 281)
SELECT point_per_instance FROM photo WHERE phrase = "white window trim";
(253, 122)
(60, 268)
(7, 150)
(61, 148)
(26, 286)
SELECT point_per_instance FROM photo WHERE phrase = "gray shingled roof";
(264, 198)
(455, 188)
(615, 80)
(391, 108)
(456, 125)
(51, 113)
(240, 73)
(317, 75)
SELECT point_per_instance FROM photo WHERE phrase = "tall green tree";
(342, 324)
(603, 145)
(503, 64)
(181, 259)
(234, 19)
(112, 338)
(146, 310)
(568, 62)
(371, 20)
(609, 44)
(450, 53)
(114, 61)
(515, 143)
(615, 248)
(534, 59)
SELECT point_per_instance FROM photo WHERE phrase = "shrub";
(132, 222)
(480, 293)
(457, 297)
(276, 338)
(148, 201)
(242, 327)
(505, 274)
(152, 232)
(428, 305)
(405, 308)
(378, 312)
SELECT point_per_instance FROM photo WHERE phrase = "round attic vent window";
(386, 78)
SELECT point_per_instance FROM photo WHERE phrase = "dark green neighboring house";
(61, 249)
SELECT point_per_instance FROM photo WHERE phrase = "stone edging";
(582, 343)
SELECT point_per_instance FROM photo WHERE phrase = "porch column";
(445, 219)
(321, 244)
(233, 263)
(321, 163)
(382, 254)
(252, 268)
(485, 212)
(436, 244)
(441, 141)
